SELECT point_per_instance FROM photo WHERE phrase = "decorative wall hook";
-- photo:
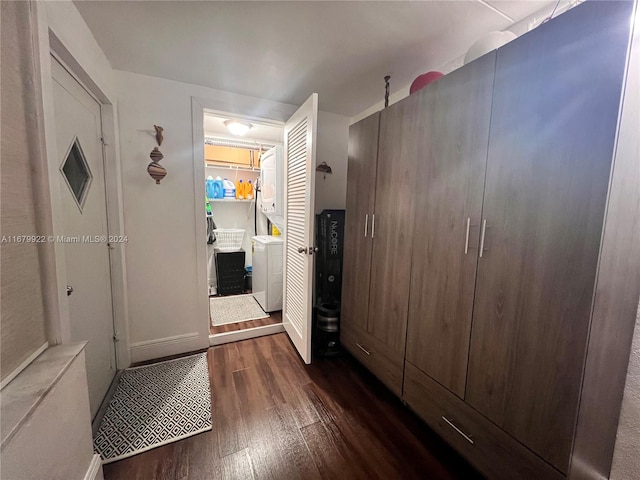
(386, 90)
(324, 168)
(159, 136)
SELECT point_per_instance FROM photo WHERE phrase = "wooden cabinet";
(361, 178)
(448, 196)
(383, 159)
(553, 129)
(356, 326)
(399, 152)
(493, 194)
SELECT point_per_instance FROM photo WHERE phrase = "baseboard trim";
(165, 347)
(236, 336)
(94, 472)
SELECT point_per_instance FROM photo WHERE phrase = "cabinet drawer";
(374, 355)
(492, 451)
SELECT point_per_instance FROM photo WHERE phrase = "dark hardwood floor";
(272, 319)
(276, 418)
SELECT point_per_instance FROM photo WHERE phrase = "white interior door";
(300, 161)
(84, 212)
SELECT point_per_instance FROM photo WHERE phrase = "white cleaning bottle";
(229, 189)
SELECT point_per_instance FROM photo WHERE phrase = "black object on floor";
(230, 272)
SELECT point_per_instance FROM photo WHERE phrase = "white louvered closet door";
(300, 160)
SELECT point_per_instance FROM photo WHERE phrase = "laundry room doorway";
(252, 172)
(244, 274)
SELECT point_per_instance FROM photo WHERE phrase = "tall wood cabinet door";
(398, 155)
(361, 181)
(553, 126)
(450, 185)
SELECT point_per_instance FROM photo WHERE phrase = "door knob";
(302, 250)
(69, 290)
(313, 250)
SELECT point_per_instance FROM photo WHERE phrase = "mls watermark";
(110, 239)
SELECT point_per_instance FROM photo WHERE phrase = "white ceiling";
(284, 51)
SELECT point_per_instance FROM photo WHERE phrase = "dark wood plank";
(273, 319)
(326, 454)
(449, 190)
(277, 397)
(373, 445)
(237, 466)
(361, 180)
(275, 442)
(201, 456)
(555, 109)
(366, 456)
(616, 296)
(291, 379)
(230, 428)
(399, 153)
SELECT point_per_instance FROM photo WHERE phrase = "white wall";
(160, 219)
(332, 147)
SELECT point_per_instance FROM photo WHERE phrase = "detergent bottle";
(218, 188)
(209, 186)
(239, 190)
(229, 189)
(248, 190)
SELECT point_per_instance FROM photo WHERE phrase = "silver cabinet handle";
(466, 237)
(484, 229)
(373, 225)
(464, 435)
(366, 225)
(363, 349)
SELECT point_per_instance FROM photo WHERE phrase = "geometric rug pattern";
(234, 309)
(154, 405)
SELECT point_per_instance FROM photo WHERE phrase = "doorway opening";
(244, 244)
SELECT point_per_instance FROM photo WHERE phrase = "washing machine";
(267, 271)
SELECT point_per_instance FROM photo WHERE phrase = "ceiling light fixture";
(238, 128)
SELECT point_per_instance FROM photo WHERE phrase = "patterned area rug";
(154, 405)
(238, 308)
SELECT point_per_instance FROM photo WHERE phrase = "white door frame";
(58, 321)
(249, 108)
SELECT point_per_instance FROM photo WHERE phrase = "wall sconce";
(324, 168)
(154, 169)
